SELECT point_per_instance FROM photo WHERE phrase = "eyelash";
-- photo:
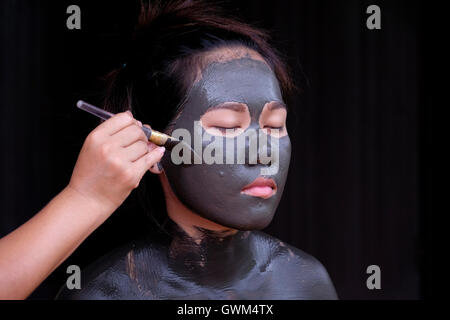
(225, 128)
(279, 128)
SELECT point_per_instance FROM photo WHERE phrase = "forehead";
(243, 80)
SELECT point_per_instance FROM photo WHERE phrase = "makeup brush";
(158, 138)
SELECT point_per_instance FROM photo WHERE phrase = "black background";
(358, 190)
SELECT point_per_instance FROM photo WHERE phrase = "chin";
(257, 223)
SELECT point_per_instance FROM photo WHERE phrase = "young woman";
(191, 64)
(193, 68)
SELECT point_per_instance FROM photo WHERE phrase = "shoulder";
(302, 273)
(118, 274)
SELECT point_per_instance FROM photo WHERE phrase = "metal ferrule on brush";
(158, 138)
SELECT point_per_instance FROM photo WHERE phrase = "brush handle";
(105, 115)
(147, 132)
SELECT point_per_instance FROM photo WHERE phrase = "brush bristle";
(171, 143)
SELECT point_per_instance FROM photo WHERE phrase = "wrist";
(99, 208)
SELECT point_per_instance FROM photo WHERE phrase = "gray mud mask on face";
(214, 190)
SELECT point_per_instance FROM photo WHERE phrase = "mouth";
(260, 187)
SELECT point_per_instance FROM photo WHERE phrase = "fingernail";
(161, 149)
(129, 112)
(139, 123)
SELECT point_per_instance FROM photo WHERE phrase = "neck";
(203, 251)
(213, 258)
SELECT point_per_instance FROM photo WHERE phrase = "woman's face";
(233, 100)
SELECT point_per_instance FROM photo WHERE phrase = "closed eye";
(273, 119)
(217, 127)
(224, 129)
(270, 127)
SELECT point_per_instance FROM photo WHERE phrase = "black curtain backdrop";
(355, 194)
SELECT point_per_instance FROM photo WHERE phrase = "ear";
(156, 168)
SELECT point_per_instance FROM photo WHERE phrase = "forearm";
(35, 249)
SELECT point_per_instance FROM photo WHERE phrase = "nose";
(258, 147)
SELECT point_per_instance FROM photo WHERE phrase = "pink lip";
(260, 187)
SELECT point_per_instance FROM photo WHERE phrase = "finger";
(148, 160)
(116, 123)
(129, 135)
(156, 168)
(135, 150)
(151, 146)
